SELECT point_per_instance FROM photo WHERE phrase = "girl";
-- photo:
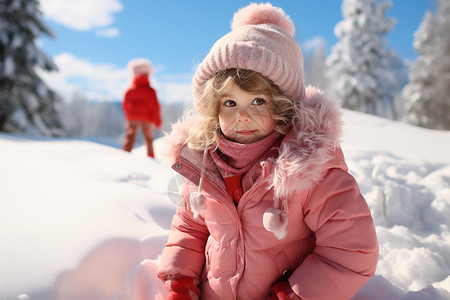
(268, 209)
(140, 106)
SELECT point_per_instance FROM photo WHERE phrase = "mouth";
(245, 132)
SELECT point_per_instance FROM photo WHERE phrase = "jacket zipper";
(260, 180)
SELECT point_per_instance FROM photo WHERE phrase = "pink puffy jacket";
(330, 245)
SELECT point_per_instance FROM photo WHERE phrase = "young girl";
(140, 106)
(269, 209)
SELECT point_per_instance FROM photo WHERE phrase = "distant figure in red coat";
(141, 106)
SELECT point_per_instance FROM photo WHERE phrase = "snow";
(83, 220)
(8, 66)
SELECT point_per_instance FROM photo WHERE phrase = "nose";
(243, 116)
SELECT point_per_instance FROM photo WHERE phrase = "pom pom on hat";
(140, 66)
(255, 14)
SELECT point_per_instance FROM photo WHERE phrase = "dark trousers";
(131, 128)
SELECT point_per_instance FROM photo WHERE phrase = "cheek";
(268, 125)
(226, 122)
(264, 119)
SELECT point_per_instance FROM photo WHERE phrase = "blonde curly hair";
(204, 134)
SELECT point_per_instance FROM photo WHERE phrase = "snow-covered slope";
(78, 217)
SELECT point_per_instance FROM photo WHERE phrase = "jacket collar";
(141, 79)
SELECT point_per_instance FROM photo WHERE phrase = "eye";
(258, 101)
(229, 103)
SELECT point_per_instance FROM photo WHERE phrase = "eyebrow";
(255, 95)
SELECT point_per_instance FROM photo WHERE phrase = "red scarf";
(239, 163)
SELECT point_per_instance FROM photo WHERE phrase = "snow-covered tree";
(75, 115)
(107, 119)
(426, 96)
(392, 106)
(26, 103)
(360, 72)
(82, 118)
(315, 69)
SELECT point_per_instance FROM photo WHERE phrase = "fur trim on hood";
(311, 144)
(305, 153)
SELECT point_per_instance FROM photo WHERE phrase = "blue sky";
(95, 39)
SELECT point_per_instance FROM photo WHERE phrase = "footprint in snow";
(137, 177)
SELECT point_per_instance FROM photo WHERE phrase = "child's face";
(245, 117)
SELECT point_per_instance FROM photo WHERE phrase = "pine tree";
(315, 69)
(442, 118)
(76, 116)
(27, 105)
(82, 118)
(360, 75)
(107, 119)
(426, 96)
(420, 89)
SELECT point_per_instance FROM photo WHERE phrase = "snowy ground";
(77, 217)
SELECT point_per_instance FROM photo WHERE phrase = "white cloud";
(96, 81)
(81, 14)
(172, 88)
(174, 92)
(108, 32)
(108, 82)
(314, 43)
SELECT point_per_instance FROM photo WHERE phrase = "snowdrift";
(82, 220)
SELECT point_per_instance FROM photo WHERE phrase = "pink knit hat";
(261, 40)
(140, 66)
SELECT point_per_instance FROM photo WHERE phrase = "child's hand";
(182, 288)
(282, 291)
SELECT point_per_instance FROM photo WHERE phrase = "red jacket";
(140, 102)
